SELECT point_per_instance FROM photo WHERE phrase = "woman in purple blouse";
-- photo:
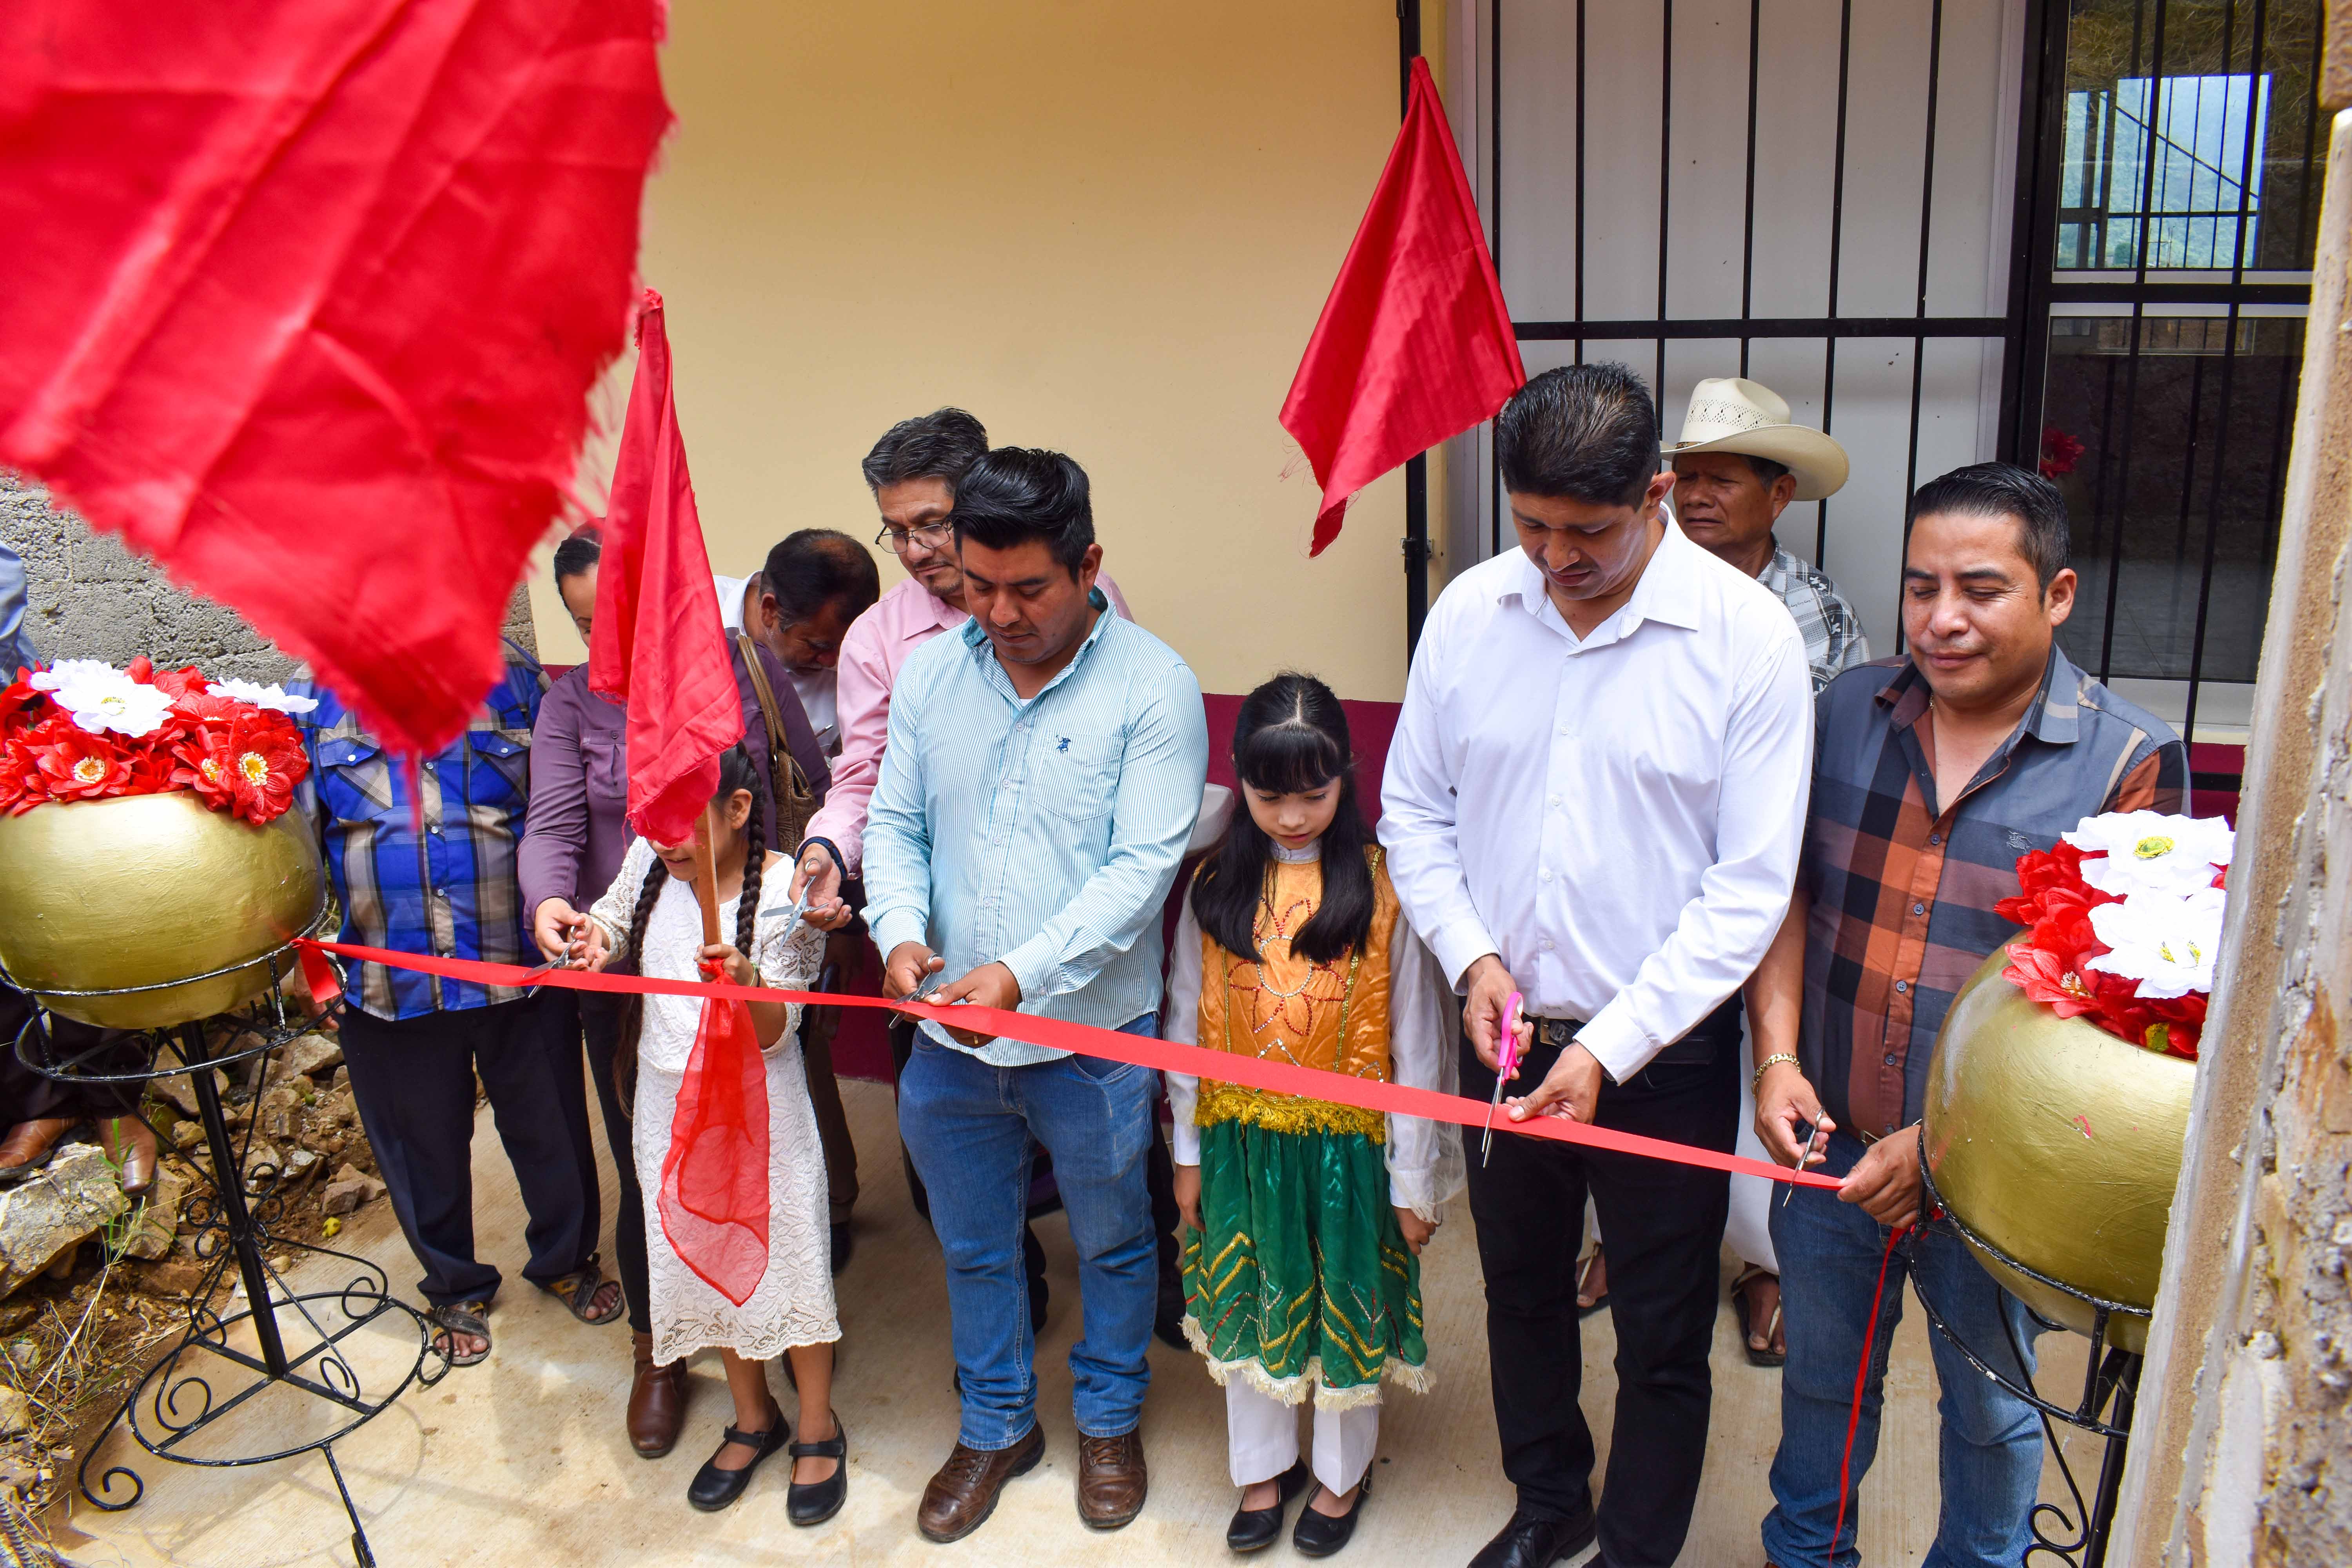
(576, 834)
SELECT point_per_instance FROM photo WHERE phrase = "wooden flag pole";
(705, 875)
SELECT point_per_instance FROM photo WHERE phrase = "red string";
(1860, 1382)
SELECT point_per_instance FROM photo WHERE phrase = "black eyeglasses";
(931, 535)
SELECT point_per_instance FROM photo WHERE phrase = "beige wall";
(1103, 227)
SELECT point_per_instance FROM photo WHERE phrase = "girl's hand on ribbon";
(1417, 1230)
(589, 948)
(1188, 1199)
(719, 958)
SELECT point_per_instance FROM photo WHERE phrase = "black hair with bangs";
(1291, 737)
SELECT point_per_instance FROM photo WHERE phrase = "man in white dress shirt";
(1594, 798)
(800, 604)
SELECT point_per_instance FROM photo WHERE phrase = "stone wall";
(91, 598)
(2241, 1450)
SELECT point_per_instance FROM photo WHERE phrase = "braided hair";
(736, 771)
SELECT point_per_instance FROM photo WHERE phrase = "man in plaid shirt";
(1932, 774)
(441, 881)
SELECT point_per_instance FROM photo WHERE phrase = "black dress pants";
(412, 1079)
(1665, 1226)
(600, 1025)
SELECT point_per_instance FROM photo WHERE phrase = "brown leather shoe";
(963, 1494)
(1112, 1481)
(656, 1401)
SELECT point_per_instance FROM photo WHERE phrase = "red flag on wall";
(308, 299)
(1415, 343)
(659, 645)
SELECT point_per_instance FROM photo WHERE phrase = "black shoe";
(820, 1501)
(1320, 1534)
(1254, 1528)
(1534, 1540)
(713, 1488)
(843, 1241)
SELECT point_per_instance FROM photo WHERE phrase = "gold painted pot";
(97, 895)
(2059, 1144)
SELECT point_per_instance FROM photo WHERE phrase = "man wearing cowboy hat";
(1739, 465)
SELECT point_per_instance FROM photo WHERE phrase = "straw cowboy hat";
(1731, 414)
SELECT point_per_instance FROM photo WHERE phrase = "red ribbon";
(1137, 1050)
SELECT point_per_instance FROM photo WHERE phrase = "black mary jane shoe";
(1254, 1528)
(1320, 1534)
(713, 1488)
(820, 1501)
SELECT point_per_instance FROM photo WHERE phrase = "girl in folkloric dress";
(1304, 1219)
(652, 911)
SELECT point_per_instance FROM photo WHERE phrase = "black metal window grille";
(2159, 224)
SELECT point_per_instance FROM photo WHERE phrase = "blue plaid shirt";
(449, 891)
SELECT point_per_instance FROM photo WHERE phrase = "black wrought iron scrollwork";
(232, 1215)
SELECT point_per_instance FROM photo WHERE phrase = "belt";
(1716, 1033)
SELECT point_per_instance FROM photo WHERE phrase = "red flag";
(659, 644)
(714, 1183)
(318, 295)
(1415, 344)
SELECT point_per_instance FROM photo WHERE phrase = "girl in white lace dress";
(652, 909)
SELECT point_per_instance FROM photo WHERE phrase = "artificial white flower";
(102, 698)
(2127, 852)
(67, 670)
(272, 697)
(2166, 942)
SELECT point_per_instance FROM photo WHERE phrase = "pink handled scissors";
(1506, 1064)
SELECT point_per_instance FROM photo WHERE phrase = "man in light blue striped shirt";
(1044, 767)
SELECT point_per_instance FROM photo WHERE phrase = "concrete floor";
(522, 1459)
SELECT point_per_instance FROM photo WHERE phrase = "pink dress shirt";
(872, 651)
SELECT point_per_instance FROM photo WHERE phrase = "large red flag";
(305, 301)
(1415, 344)
(659, 644)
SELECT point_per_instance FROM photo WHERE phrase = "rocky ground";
(93, 1286)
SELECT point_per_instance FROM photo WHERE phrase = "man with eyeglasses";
(912, 472)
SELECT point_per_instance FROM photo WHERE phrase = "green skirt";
(1301, 1278)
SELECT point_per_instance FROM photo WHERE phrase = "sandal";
(1741, 1308)
(461, 1318)
(1583, 1277)
(580, 1289)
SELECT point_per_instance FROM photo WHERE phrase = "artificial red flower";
(264, 768)
(202, 707)
(21, 698)
(78, 765)
(2060, 452)
(201, 762)
(141, 669)
(2044, 978)
(22, 786)
(180, 681)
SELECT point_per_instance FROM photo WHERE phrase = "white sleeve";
(1419, 820)
(1183, 1027)
(1722, 934)
(613, 909)
(1424, 1158)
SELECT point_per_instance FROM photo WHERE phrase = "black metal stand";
(2110, 1386)
(176, 1394)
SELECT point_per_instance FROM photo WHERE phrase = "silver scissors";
(930, 983)
(1804, 1162)
(791, 913)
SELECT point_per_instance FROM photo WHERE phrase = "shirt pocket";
(354, 779)
(607, 775)
(498, 764)
(1077, 775)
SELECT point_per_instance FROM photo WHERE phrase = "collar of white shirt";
(1668, 590)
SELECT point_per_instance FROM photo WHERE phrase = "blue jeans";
(1990, 1453)
(968, 1126)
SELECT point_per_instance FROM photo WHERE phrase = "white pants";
(1262, 1439)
